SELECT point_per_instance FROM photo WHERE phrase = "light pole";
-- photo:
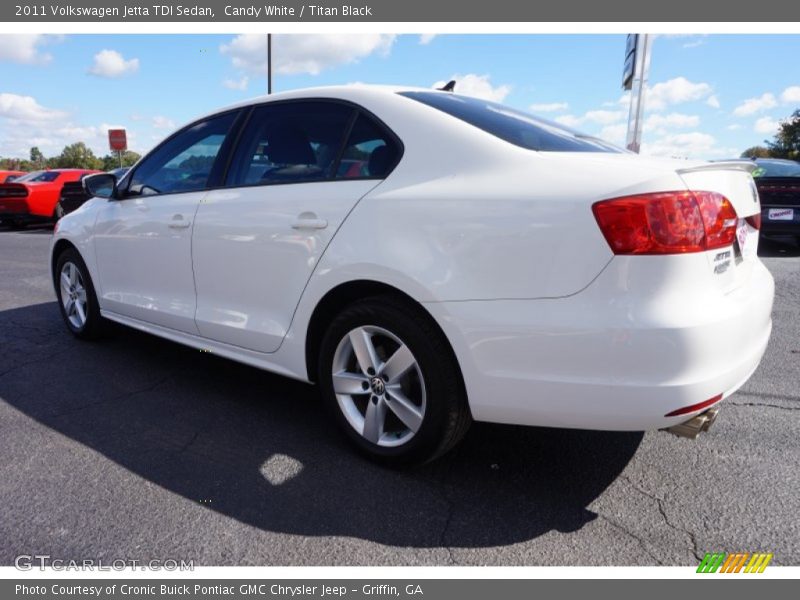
(269, 63)
(638, 86)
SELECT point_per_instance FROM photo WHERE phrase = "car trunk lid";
(731, 267)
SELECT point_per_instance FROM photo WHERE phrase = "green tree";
(111, 161)
(756, 152)
(786, 143)
(77, 156)
(37, 158)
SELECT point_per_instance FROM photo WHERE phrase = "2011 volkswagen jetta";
(427, 259)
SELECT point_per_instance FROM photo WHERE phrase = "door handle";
(178, 222)
(309, 220)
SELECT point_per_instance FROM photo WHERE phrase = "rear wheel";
(392, 383)
(76, 296)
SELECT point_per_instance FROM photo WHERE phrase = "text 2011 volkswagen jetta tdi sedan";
(428, 259)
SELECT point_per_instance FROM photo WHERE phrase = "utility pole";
(640, 56)
(269, 63)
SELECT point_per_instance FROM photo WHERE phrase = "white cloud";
(25, 123)
(600, 117)
(668, 93)
(675, 91)
(604, 117)
(569, 120)
(766, 125)
(237, 84)
(160, 122)
(755, 105)
(551, 107)
(426, 38)
(713, 101)
(111, 64)
(51, 139)
(26, 108)
(683, 145)
(24, 49)
(478, 86)
(791, 94)
(301, 53)
(672, 120)
(615, 134)
(694, 43)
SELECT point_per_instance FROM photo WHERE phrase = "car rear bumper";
(14, 208)
(605, 358)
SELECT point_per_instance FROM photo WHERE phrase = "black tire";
(446, 416)
(94, 325)
(16, 224)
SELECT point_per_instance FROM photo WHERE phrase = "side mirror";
(101, 185)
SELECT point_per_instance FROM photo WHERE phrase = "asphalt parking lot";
(138, 448)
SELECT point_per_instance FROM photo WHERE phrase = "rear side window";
(290, 142)
(514, 126)
(370, 152)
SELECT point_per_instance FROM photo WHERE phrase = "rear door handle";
(179, 222)
(309, 220)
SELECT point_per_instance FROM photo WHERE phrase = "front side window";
(514, 126)
(290, 142)
(370, 151)
(184, 162)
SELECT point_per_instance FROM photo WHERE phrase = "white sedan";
(429, 259)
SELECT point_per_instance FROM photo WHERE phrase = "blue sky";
(710, 96)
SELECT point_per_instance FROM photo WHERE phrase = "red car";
(33, 197)
(8, 176)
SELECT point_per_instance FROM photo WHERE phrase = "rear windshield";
(514, 126)
(777, 168)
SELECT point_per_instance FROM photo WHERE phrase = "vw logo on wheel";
(377, 385)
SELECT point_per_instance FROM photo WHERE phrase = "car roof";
(353, 92)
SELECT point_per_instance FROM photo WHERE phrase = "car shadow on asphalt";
(778, 247)
(259, 448)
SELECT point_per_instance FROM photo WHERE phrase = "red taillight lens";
(754, 220)
(719, 219)
(667, 222)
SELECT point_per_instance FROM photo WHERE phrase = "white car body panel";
(497, 243)
(143, 250)
(275, 232)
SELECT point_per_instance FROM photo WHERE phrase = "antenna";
(449, 86)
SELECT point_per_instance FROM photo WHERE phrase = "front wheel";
(76, 296)
(390, 379)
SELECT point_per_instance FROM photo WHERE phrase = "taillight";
(754, 220)
(667, 222)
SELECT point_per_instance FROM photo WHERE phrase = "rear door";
(298, 170)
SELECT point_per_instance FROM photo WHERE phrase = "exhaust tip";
(696, 425)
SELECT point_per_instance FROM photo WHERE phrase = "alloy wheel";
(379, 386)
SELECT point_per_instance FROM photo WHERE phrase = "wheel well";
(60, 246)
(338, 298)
